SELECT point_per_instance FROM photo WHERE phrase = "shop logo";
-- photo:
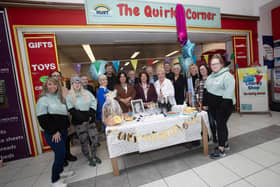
(253, 78)
(102, 10)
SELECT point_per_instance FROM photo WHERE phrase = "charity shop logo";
(102, 10)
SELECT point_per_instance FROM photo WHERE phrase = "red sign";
(240, 50)
(42, 58)
(41, 55)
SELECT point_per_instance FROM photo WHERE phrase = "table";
(154, 133)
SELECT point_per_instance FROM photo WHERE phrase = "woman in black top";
(179, 84)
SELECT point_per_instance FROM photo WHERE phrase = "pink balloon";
(181, 24)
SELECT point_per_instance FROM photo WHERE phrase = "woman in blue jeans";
(52, 116)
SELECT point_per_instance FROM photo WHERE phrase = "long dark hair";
(119, 76)
(207, 69)
(144, 73)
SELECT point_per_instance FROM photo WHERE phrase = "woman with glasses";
(220, 86)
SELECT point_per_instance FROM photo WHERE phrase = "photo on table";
(137, 106)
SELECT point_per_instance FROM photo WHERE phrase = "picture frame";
(137, 106)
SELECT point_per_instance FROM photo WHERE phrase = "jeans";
(59, 153)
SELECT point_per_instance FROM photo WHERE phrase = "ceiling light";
(172, 53)
(135, 54)
(126, 63)
(88, 51)
(156, 61)
(121, 68)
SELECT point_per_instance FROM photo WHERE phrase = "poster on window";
(268, 56)
(276, 85)
(13, 141)
(253, 89)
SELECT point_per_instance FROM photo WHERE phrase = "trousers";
(88, 136)
(59, 153)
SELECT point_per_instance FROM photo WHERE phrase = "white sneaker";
(59, 183)
(66, 174)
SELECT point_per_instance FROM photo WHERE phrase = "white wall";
(66, 65)
(239, 7)
(264, 25)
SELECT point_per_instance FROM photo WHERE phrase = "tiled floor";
(254, 160)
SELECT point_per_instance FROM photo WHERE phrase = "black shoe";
(92, 162)
(217, 153)
(97, 160)
(98, 144)
(71, 158)
(65, 163)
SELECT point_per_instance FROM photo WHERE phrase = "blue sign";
(121, 12)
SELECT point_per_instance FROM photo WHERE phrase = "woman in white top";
(164, 88)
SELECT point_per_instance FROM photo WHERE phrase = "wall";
(66, 66)
(238, 7)
(264, 25)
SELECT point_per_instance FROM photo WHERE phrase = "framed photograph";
(137, 106)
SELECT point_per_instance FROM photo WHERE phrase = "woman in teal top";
(220, 87)
(82, 107)
(52, 115)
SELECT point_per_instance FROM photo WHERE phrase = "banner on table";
(41, 53)
(145, 136)
(123, 12)
(13, 142)
(253, 89)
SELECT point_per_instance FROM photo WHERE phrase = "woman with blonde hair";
(53, 118)
(82, 106)
(164, 88)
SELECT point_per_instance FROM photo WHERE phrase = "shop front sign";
(41, 53)
(253, 90)
(148, 13)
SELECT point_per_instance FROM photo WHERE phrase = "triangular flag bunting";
(194, 59)
(206, 58)
(116, 65)
(232, 56)
(180, 59)
(150, 62)
(134, 64)
(97, 66)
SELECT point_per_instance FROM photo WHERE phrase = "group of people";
(57, 107)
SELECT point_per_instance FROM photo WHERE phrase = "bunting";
(150, 62)
(134, 63)
(116, 64)
(206, 58)
(97, 66)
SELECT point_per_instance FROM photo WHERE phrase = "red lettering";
(136, 11)
(128, 10)
(155, 12)
(160, 12)
(188, 12)
(193, 15)
(173, 13)
(148, 11)
(213, 15)
(209, 15)
(166, 13)
(121, 8)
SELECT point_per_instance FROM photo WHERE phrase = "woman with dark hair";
(220, 86)
(52, 115)
(125, 92)
(199, 92)
(145, 90)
